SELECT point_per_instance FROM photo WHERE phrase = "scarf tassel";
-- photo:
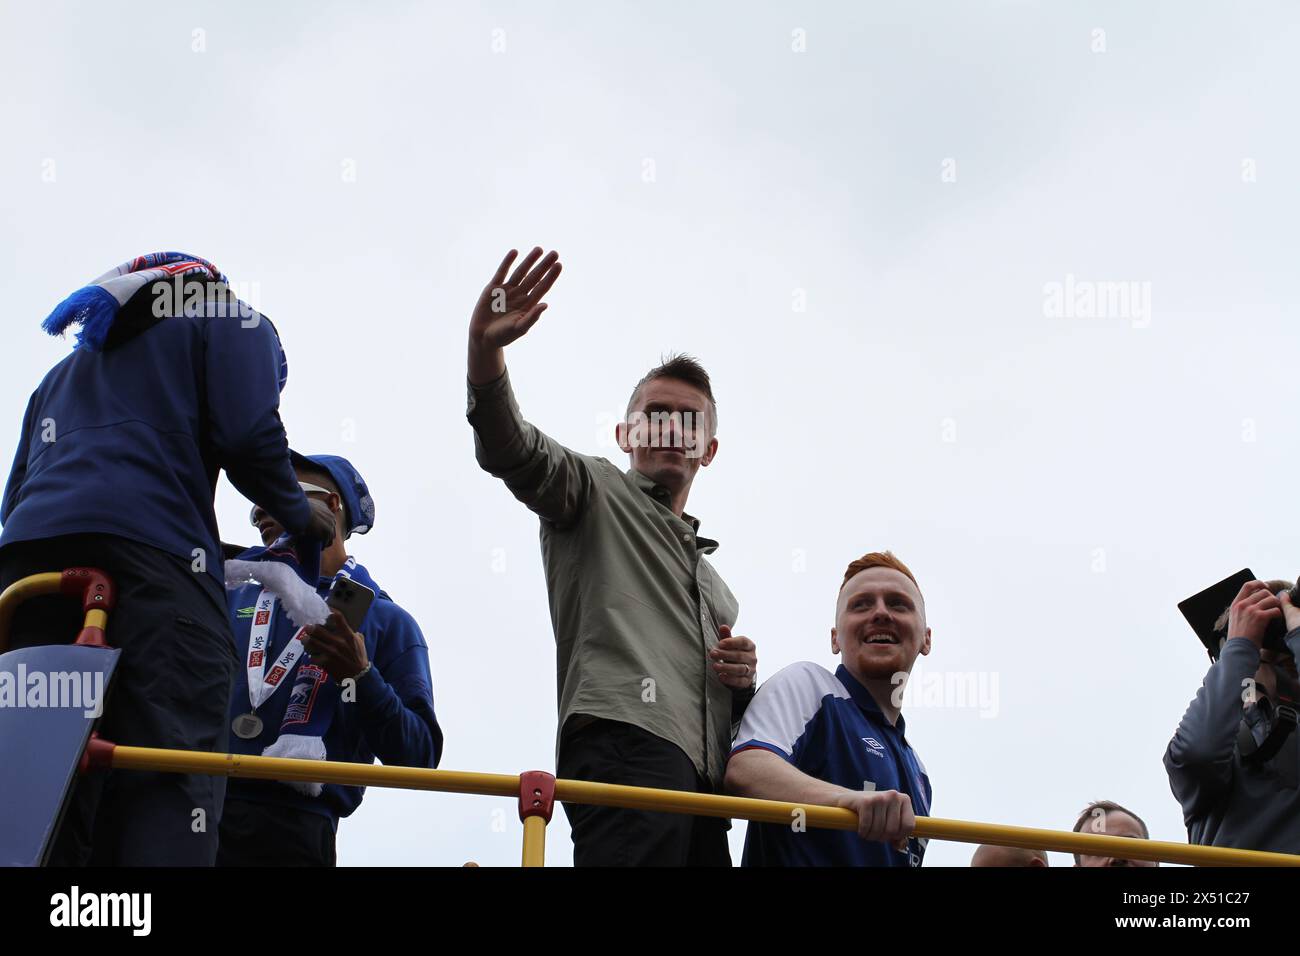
(93, 308)
(300, 748)
(300, 600)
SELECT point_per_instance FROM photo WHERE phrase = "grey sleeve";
(548, 478)
(1293, 643)
(1199, 758)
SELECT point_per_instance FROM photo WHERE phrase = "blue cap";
(358, 506)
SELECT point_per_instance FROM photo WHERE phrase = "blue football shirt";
(828, 726)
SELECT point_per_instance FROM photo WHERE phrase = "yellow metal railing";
(35, 585)
(667, 801)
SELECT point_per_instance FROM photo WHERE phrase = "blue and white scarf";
(95, 307)
(313, 697)
(289, 568)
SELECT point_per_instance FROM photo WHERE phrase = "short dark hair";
(1107, 806)
(683, 368)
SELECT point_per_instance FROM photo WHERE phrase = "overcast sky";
(884, 228)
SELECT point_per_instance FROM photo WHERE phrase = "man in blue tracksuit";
(172, 381)
(330, 693)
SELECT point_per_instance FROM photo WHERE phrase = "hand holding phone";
(350, 599)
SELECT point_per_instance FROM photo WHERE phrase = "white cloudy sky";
(1058, 484)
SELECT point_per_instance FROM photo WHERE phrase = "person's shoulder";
(601, 466)
(804, 679)
(809, 672)
(55, 377)
(786, 706)
(392, 618)
(384, 608)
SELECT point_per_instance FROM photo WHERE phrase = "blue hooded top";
(391, 717)
(129, 440)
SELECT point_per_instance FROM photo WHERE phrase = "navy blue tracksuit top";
(129, 441)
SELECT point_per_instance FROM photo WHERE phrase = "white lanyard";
(261, 682)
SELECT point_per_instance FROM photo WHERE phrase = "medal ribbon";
(262, 682)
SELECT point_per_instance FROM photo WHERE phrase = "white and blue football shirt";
(828, 726)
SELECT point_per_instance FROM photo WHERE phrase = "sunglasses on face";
(307, 488)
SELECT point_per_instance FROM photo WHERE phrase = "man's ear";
(835, 644)
(710, 450)
(335, 501)
(621, 437)
(925, 644)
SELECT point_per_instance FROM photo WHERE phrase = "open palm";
(508, 308)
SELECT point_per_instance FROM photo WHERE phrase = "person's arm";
(393, 693)
(760, 773)
(761, 764)
(551, 480)
(548, 478)
(396, 709)
(243, 420)
(1199, 757)
(18, 473)
(884, 816)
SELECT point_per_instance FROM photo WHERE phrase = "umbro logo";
(877, 748)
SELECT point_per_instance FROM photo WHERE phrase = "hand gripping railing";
(537, 792)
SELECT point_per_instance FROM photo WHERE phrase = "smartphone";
(351, 599)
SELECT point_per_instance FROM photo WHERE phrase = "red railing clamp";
(94, 589)
(536, 794)
(91, 586)
(98, 755)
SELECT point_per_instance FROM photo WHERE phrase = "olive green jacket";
(635, 605)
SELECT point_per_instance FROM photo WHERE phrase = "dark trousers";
(265, 834)
(609, 751)
(171, 689)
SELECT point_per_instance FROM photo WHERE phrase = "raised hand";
(507, 309)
